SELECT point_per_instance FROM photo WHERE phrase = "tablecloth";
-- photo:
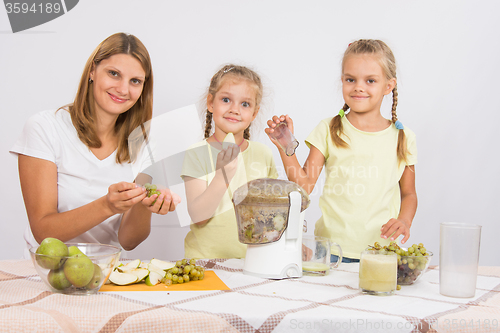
(307, 304)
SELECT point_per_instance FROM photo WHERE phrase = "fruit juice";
(378, 273)
(460, 282)
(315, 268)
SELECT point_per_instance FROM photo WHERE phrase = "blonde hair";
(233, 72)
(82, 109)
(383, 53)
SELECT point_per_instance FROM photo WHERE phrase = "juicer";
(270, 216)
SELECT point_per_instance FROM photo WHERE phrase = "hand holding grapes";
(122, 196)
(395, 227)
(160, 201)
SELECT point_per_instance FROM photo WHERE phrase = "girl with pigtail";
(369, 193)
(214, 167)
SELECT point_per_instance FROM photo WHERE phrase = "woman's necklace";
(221, 142)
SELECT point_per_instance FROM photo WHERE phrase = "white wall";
(447, 53)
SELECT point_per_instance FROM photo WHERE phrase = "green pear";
(72, 250)
(96, 278)
(57, 279)
(79, 270)
(52, 251)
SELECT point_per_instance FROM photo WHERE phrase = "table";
(308, 304)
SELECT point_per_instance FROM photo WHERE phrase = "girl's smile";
(233, 108)
(364, 84)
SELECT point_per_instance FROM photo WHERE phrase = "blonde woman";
(74, 164)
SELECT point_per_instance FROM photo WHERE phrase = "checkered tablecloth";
(309, 304)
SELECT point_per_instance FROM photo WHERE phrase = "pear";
(157, 270)
(72, 250)
(228, 140)
(162, 264)
(57, 279)
(52, 251)
(153, 278)
(141, 273)
(79, 270)
(122, 279)
(96, 278)
(130, 266)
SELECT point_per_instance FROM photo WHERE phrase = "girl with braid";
(212, 170)
(369, 193)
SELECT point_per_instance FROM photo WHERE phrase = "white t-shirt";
(81, 176)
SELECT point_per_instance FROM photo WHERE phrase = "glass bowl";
(411, 268)
(83, 274)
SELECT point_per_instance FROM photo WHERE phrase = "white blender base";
(281, 259)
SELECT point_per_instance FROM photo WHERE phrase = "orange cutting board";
(210, 282)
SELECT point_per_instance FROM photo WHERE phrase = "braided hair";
(388, 64)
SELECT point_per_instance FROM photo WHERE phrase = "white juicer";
(270, 215)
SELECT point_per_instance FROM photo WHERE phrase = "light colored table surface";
(309, 304)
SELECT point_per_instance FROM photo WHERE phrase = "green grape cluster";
(151, 189)
(412, 262)
(185, 270)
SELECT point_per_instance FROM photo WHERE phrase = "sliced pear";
(129, 266)
(159, 271)
(153, 279)
(122, 279)
(141, 273)
(228, 140)
(162, 264)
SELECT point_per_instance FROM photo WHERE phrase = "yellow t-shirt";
(361, 191)
(218, 238)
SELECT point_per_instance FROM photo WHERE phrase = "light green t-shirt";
(361, 191)
(218, 238)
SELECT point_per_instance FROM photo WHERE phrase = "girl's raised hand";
(394, 228)
(122, 196)
(162, 203)
(272, 124)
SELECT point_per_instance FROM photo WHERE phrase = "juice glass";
(316, 253)
(378, 272)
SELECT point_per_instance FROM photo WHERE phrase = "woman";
(75, 167)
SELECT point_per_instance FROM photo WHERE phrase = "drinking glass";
(458, 259)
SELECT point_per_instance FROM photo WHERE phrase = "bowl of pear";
(74, 268)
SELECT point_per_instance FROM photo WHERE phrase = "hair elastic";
(399, 125)
(341, 113)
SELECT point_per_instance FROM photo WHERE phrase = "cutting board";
(210, 282)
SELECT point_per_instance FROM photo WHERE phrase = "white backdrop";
(448, 68)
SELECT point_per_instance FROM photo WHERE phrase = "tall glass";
(378, 272)
(458, 259)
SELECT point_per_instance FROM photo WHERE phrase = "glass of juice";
(378, 272)
(316, 252)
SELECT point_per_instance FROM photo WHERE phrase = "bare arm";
(401, 225)
(203, 200)
(305, 176)
(38, 179)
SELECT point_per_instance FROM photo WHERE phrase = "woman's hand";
(123, 196)
(162, 203)
(394, 228)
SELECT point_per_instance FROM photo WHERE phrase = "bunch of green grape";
(151, 189)
(411, 262)
(185, 270)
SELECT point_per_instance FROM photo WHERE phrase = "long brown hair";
(82, 109)
(388, 63)
(238, 73)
